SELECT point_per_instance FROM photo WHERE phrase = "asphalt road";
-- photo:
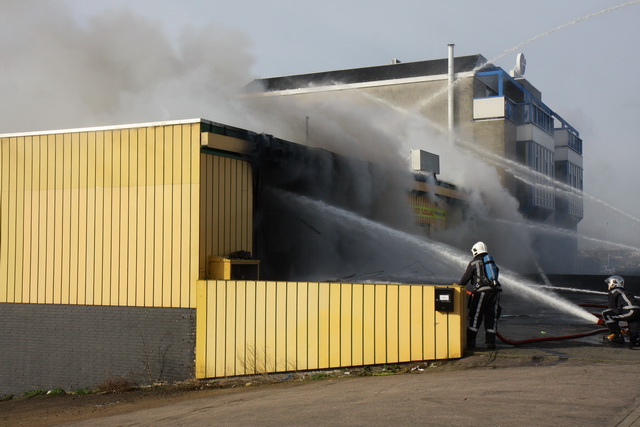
(550, 385)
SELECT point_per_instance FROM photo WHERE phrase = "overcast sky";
(60, 57)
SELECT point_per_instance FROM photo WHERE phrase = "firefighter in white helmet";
(622, 307)
(482, 272)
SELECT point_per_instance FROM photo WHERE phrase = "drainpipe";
(307, 130)
(450, 98)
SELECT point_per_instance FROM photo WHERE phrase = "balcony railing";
(575, 142)
(526, 109)
(519, 113)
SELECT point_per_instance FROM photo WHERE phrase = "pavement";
(564, 383)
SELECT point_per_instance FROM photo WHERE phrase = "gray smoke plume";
(117, 67)
(120, 67)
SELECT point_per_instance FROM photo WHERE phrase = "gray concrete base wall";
(45, 346)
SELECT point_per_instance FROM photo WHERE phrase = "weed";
(114, 385)
(6, 397)
(153, 360)
(256, 361)
(34, 393)
(320, 376)
(388, 370)
(82, 391)
(56, 391)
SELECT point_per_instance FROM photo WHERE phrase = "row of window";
(540, 159)
(575, 142)
(541, 119)
(574, 178)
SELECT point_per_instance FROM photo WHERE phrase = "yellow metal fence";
(249, 327)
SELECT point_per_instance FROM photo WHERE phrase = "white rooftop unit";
(423, 161)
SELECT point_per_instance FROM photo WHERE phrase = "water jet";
(441, 252)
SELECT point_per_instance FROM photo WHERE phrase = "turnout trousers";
(483, 306)
(631, 316)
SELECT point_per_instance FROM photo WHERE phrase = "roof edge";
(367, 74)
(108, 127)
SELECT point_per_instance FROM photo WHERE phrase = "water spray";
(563, 26)
(556, 230)
(450, 255)
(575, 290)
(543, 180)
(531, 40)
(551, 299)
(538, 179)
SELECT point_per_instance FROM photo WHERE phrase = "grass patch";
(34, 393)
(320, 376)
(56, 392)
(112, 385)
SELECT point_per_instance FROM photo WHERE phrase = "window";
(541, 160)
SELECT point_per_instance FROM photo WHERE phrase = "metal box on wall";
(444, 299)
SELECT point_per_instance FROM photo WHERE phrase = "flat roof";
(401, 70)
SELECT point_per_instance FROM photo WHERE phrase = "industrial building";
(167, 251)
(497, 114)
(175, 250)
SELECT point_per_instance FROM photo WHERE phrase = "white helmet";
(614, 282)
(479, 248)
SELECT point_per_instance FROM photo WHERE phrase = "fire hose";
(558, 338)
(562, 337)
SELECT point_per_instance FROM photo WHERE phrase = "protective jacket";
(475, 273)
(621, 301)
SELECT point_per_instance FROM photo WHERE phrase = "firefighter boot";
(471, 339)
(614, 339)
(491, 340)
(634, 341)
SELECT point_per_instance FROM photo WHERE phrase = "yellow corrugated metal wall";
(248, 327)
(226, 209)
(106, 217)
